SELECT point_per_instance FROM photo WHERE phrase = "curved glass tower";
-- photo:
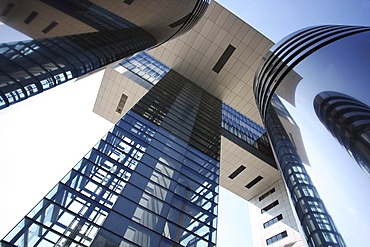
(82, 37)
(349, 122)
(312, 93)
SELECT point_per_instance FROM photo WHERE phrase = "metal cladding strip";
(277, 55)
(299, 53)
(270, 61)
(285, 57)
(197, 13)
(296, 52)
(285, 51)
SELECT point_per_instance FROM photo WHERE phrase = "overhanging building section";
(243, 142)
(194, 54)
(74, 38)
(176, 142)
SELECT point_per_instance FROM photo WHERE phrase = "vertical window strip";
(223, 59)
(254, 182)
(237, 172)
(128, 2)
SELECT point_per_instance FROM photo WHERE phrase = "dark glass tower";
(294, 90)
(349, 122)
(151, 181)
(98, 35)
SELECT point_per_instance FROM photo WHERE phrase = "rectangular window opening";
(237, 172)
(276, 238)
(270, 206)
(7, 9)
(30, 18)
(254, 182)
(50, 27)
(223, 59)
(272, 221)
(121, 103)
(266, 194)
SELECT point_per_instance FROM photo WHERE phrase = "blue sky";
(36, 131)
(276, 19)
(45, 136)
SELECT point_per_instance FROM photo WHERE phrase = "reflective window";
(272, 221)
(144, 66)
(276, 238)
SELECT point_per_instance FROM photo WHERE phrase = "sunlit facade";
(74, 38)
(151, 181)
(181, 83)
(310, 118)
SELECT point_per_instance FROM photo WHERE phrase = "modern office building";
(330, 109)
(348, 121)
(187, 122)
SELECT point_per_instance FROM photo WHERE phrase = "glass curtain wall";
(312, 93)
(151, 181)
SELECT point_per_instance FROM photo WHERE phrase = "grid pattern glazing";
(276, 238)
(146, 67)
(145, 183)
(30, 67)
(245, 129)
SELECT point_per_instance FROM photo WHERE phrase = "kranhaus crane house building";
(199, 99)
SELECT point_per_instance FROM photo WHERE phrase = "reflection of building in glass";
(74, 38)
(291, 128)
(151, 181)
(236, 173)
(314, 217)
(348, 120)
(284, 100)
(240, 129)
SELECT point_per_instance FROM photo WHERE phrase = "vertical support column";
(313, 216)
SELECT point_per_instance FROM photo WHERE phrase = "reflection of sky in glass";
(240, 125)
(146, 67)
(341, 183)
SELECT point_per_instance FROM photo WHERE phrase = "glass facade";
(348, 120)
(312, 93)
(151, 181)
(30, 67)
(147, 71)
(145, 67)
(241, 126)
(246, 133)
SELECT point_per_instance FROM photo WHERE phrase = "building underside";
(181, 83)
